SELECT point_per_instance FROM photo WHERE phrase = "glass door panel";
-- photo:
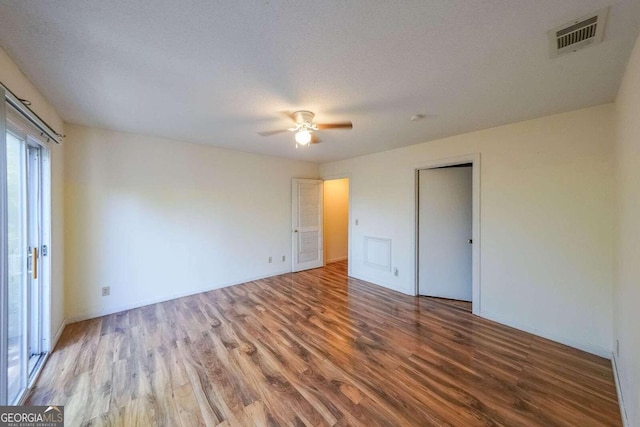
(17, 266)
(34, 293)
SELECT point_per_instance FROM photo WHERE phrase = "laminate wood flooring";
(461, 305)
(318, 348)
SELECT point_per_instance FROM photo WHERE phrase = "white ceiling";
(217, 72)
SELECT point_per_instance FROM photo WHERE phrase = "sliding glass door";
(27, 220)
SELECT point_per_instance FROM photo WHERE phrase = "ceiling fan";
(305, 129)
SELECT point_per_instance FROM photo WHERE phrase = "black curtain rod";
(26, 103)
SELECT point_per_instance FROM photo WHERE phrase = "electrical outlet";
(395, 271)
(284, 258)
(357, 222)
(106, 291)
(270, 260)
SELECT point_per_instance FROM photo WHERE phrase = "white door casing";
(445, 230)
(306, 227)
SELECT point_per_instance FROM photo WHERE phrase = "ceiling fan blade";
(289, 115)
(272, 132)
(342, 125)
(315, 139)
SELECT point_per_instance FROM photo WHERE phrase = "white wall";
(18, 83)
(546, 221)
(155, 219)
(336, 220)
(627, 267)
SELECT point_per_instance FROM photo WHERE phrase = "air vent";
(578, 34)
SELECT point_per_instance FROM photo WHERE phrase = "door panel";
(445, 228)
(34, 293)
(306, 213)
(17, 271)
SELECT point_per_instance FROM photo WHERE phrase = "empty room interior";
(248, 213)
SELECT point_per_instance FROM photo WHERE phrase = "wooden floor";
(317, 348)
(461, 305)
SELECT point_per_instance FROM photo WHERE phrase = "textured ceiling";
(217, 72)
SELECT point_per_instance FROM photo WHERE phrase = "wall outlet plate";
(106, 291)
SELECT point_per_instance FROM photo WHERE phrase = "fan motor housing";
(303, 116)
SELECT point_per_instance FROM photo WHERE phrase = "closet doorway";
(336, 220)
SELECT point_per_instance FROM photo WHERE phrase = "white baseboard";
(99, 312)
(589, 348)
(616, 376)
(341, 258)
(57, 335)
(382, 283)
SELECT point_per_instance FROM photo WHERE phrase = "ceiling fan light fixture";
(303, 137)
(305, 127)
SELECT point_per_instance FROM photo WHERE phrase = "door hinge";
(44, 250)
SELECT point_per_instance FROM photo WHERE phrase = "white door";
(306, 227)
(444, 232)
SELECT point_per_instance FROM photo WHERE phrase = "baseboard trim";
(589, 348)
(57, 335)
(616, 377)
(332, 260)
(92, 314)
(381, 283)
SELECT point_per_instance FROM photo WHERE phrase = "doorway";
(26, 284)
(306, 224)
(336, 220)
(447, 232)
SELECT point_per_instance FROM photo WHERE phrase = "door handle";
(34, 260)
(470, 241)
(295, 231)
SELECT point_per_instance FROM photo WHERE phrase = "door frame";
(349, 229)
(4, 318)
(474, 159)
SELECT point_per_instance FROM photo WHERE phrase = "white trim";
(589, 348)
(616, 377)
(349, 228)
(338, 259)
(473, 158)
(4, 281)
(390, 286)
(58, 334)
(92, 314)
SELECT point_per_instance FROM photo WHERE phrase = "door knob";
(470, 241)
(295, 231)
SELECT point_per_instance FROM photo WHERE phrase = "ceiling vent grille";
(578, 34)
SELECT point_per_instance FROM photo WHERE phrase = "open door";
(445, 232)
(306, 227)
